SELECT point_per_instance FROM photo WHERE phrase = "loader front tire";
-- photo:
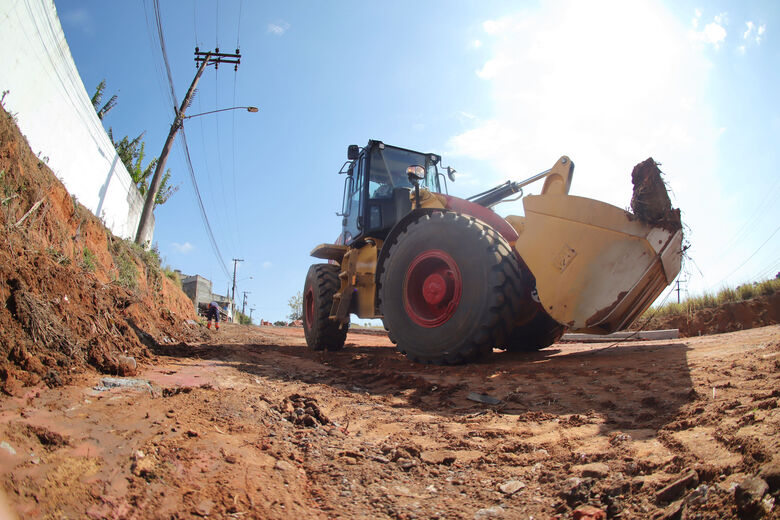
(541, 332)
(322, 333)
(449, 289)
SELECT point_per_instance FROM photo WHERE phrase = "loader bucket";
(597, 267)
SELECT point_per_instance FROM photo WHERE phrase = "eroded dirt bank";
(253, 425)
(75, 297)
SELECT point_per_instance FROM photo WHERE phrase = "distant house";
(198, 289)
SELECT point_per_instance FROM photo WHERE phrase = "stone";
(204, 508)
(144, 468)
(675, 490)
(7, 447)
(489, 512)
(575, 491)
(482, 398)
(589, 513)
(594, 470)
(748, 495)
(673, 511)
(283, 465)
(770, 472)
(126, 365)
(698, 496)
(511, 487)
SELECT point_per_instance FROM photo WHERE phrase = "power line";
(205, 219)
(748, 225)
(161, 41)
(207, 225)
(754, 254)
(233, 149)
(238, 31)
(211, 190)
(770, 271)
(195, 20)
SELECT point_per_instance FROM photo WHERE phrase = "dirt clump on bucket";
(650, 202)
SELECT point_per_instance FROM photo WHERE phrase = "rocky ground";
(251, 424)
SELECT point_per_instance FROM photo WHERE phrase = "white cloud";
(714, 33)
(476, 44)
(278, 29)
(754, 33)
(79, 17)
(184, 248)
(609, 83)
(750, 27)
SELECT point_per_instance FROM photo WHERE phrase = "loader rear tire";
(541, 332)
(449, 289)
(322, 333)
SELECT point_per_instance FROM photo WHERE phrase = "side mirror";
(451, 173)
(352, 152)
(415, 173)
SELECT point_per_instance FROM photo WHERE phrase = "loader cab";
(377, 189)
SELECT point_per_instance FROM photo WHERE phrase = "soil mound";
(75, 296)
(728, 317)
(650, 201)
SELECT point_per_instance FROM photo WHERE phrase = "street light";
(154, 185)
(248, 109)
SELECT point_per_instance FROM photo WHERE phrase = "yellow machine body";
(597, 267)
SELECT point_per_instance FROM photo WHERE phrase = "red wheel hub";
(432, 288)
(308, 307)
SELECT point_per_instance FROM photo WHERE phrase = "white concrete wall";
(55, 113)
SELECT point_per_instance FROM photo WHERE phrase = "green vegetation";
(128, 273)
(709, 300)
(124, 253)
(296, 306)
(280, 323)
(172, 275)
(58, 256)
(132, 154)
(2, 104)
(88, 260)
(242, 318)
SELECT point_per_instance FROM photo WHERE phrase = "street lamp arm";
(248, 109)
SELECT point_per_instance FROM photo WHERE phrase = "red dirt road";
(253, 425)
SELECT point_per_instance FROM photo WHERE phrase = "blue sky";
(499, 89)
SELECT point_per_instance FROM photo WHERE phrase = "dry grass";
(709, 300)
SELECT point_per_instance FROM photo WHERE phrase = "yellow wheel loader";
(451, 279)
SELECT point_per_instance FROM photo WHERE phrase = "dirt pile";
(650, 201)
(74, 296)
(728, 317)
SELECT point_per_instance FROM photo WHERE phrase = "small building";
(199, 290)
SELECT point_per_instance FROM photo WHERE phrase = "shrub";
(88, 260)
(708, 300)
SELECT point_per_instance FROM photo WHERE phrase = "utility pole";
(243, 306)
(204, 58)
(678, 289)
(251, 310)
(235, 262)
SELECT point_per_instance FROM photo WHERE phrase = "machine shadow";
(628, 387)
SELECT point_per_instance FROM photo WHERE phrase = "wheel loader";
(452, 280)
